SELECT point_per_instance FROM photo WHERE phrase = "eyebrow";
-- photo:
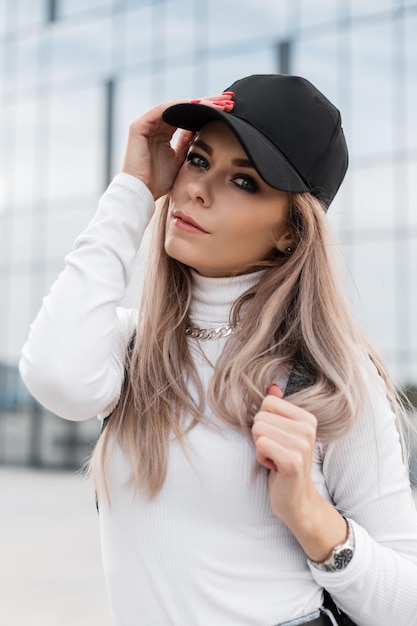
(239, 162)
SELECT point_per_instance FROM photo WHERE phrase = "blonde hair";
(296, 313)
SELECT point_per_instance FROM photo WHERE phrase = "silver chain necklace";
(209, 333)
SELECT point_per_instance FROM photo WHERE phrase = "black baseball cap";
(289, 129)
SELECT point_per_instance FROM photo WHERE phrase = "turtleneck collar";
(213, 298)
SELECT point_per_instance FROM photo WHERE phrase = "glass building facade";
(73, 73)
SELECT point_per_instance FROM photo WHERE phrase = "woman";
(221, 501)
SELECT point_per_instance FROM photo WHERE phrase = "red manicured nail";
(229, 93)
(195, 101)
(275, 390)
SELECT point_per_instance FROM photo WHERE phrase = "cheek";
(246, 244)
(255, 234)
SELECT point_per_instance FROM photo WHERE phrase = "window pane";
(132, 98)
(313, 13)
(233, 23)
(10, 15)
(359, 7)
(25, 153)
(3, 22)
(4, 314)
(31, 12)
(7, 140)
(27, 62)
(412, 290)
(80, 48)
(317, 60)
(8, 67)
(403, 295)
(22, 238)
(372, 90)
(185, 25)
(139, 35)
(20, 315)
(411, 177)
(5, 243)
(373, 197)
(76, 152)
(373, 272)
(411, 81)
(67, 8)
(181, 82)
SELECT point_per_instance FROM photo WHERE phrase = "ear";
(286, 243)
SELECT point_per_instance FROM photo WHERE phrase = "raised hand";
(149, 154)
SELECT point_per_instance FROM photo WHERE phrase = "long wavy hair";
(296, 313)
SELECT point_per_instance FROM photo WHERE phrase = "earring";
(287, 249)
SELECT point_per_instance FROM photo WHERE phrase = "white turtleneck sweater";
(208, 549)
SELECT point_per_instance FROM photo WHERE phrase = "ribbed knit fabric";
(207, 551)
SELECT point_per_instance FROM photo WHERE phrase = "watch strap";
(341, 555)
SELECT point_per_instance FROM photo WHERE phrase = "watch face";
(342, 558)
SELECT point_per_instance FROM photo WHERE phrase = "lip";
(187, 223)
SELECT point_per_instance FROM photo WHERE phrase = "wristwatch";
(341, 555)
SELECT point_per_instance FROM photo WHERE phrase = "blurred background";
(73, 73)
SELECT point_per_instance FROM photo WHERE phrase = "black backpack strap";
(341, 618)
(301, 376)
(105, 422)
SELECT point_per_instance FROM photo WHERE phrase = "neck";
(213, 298)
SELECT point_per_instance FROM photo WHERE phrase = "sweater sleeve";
(72, 361)
(368, 483)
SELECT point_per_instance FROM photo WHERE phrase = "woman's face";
(222, 217)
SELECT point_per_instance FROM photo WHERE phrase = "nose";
(200, 191)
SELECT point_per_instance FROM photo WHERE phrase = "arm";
(73, 359)
(367, 483)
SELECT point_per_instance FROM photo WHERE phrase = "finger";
(278, 426)
(266, 462)
(274, 390)
(223, 102)
(287, 461)
(288, 431)
(279, 406)
(182, 145)
(225, 95)
(265, 453)
(300, 443)
(220, 101)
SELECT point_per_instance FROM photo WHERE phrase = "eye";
(246, 183)
(197, 160)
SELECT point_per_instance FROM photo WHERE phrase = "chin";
(186, 260)
(173, 252)
(177, 250)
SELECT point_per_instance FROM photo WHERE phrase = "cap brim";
(270, 163)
